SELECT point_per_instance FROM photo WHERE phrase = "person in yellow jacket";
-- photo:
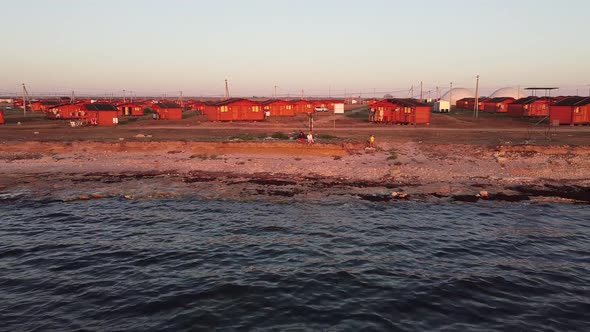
(372, 141)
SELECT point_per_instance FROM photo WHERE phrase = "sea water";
(192, 264)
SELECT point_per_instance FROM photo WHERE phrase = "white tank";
(458, 93)
(508, 92)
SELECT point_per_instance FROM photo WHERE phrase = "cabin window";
(308, 106)
(577, 110)
(526, 107)
(255, 108)
(380, 109)
(289, 107)
(543, 106)
(407, 110)
(223, 109)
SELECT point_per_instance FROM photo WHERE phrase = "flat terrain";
(456, 157)
(459, 128)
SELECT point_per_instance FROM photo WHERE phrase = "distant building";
(571, 110)
(235, 109)
(441, 106)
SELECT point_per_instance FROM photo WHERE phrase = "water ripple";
(164, 265)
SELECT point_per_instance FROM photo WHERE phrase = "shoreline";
(289, 171)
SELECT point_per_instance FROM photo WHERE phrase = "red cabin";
(66, 111)
(278, 107)
(235, 109)
(195, 105)
(1, 117)
(385, 111)
(497, 105)
(168, 111)
(407, 111)
(101, 114)
(44, 105)
(529, 107)
(571, 110)
(130, 109)
(302, 106)
(462, 103)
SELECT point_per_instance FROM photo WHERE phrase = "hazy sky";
(321, 46)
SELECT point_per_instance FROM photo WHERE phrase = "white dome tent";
(515, 93)
(458, 93)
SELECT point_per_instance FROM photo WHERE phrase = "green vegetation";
(204, 156)
(392, 155)
(326, 136)
(279, 135)
(148, 111)
(359, 113)
(247, 137)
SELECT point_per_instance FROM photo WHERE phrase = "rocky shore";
(289, 171)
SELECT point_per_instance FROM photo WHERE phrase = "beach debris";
(121, 139)
(483, 194)
(139, 136)
(399, 195)
(36, 132)
(500, 157)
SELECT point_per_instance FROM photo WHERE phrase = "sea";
(191, 264)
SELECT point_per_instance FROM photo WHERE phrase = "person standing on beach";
(372, 141)
(310, 138)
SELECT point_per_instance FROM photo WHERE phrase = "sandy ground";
(290, 170)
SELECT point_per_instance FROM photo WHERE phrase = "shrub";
(279, 135)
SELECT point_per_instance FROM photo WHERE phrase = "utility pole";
(275, 92)
(25, 98)
(451, 97)
(421, 95)
(226, 89)
(124, 100)
(437, 93)
(412, 91)
(476, 106)
(181, 101)
(73, 98)
(301, 93)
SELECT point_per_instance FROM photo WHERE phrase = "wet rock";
(399, 195)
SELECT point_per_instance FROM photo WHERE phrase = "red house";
(529, 107)
(168, 111)
(278, 107)
(385, 111)
(571, 110)
(406, 111)
(130, 109)
(235, 109)
(44, 105)
(195, 105)
(66, 111)
(1, 117)
(302, 106)
(101, 114)
(497, 105)
(462, 103)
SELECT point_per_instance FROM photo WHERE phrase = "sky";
(323, 47)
